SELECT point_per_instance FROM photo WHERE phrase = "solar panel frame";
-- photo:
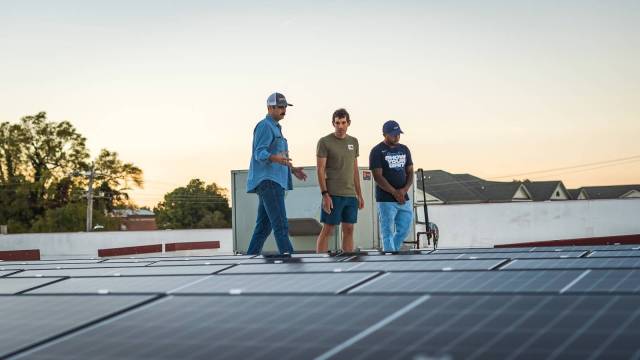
(73, 266)
(366, 266)
(119, 285)
(180, 258)
(127, 271)
(608, 281)
(235, 327)
(500, 326)
(51, 262)
(481, 250)
(299, 283)
(489, 282)
(34, 320)
(575, 263)
(5, 273)
(12, 286)
(615, 253)
(363, 327)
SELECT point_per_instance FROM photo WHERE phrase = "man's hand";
(299, 173)
(398, 194)
(360, 202)
(327, 203)
(280, 159)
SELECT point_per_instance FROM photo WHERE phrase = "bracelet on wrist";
(325, 193)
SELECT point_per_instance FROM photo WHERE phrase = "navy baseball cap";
(391, 127)
(277, 99)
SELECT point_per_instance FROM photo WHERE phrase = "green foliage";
(71, 217)
(195, 206)
(41, 181)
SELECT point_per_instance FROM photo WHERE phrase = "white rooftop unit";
(303, 212)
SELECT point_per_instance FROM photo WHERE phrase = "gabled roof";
(544, 190)
(446, 187)
(609, 192)
(466, 188)
(576, 193)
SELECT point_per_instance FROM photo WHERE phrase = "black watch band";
(325, 192)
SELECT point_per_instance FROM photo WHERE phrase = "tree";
(195, 206)
(53, 149)
(115, 178)
(12, 152)
(38, 189)
(71, 217)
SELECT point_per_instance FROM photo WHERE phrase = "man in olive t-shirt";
(338, 176)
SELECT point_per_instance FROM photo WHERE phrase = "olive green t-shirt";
(341, 155)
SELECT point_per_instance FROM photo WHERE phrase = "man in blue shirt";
(392, 168)
(270, 172)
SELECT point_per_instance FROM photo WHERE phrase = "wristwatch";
(325, 192)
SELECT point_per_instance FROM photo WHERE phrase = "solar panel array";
(444, 304)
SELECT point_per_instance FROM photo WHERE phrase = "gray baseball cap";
(277, 99)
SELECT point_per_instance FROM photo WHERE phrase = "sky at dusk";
(498, 89)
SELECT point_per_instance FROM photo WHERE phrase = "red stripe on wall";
(130, 250)
(195, 245)
(603, 240)
(20, 255)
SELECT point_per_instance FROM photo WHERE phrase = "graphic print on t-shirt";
(396, 161)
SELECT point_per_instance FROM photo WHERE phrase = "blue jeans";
(395, 223)
(271, 216)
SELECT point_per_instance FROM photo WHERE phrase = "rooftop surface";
(579, 302)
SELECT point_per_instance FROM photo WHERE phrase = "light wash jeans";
(395, 223)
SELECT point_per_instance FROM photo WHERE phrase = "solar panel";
(67, 272)
(110, 285)
(391, 257)
(504, 327)
(309, 283)
(6, 272)
(70, 266)
(201, 262)
(528, 255)
(608, 281)
(588, 247)
(470, 282)
(50, 262)
(232, 327)
(28, 320)
(432, 265)
(506, 255)
(139, 270)
(180, 258)
(580, 263)
(435, 265)
(611, 253)
(15, 285)
(481, 250)
(362, 327)
(290, 268)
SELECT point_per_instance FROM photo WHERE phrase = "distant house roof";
(130, 212)
(578, 194)
(547, 190)
(466, 188)
(611, 191)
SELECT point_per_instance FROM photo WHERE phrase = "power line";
(636, 157)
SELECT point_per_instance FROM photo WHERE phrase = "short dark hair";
(339, 114)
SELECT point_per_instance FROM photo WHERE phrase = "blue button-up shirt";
(268, 140)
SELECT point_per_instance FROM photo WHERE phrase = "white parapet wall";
(465, 225)
(489, 224)
(87, 244)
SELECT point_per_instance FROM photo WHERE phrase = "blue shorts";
(345, 209)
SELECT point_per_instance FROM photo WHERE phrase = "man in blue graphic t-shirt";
(392, 169)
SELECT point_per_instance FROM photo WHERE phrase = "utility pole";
(91, 174)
